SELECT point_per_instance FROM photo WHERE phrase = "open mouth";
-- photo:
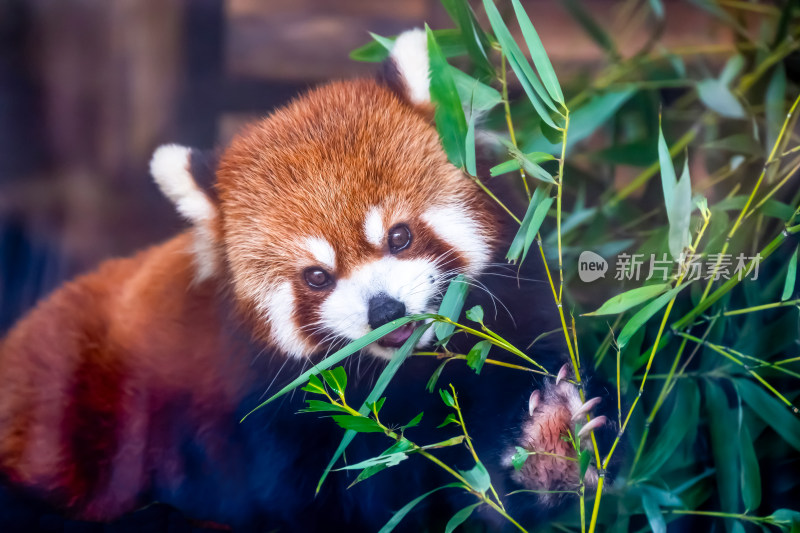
(396, 338)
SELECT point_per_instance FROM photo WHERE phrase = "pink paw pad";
(546, 455)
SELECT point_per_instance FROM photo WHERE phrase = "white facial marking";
(373, 227)
(277, 306)
(322, 251)
(410, 55)
(458, 229)
(170, 169)
(411, 281)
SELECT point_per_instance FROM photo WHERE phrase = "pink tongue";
(396, 338)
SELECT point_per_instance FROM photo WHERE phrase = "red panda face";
(340, 212)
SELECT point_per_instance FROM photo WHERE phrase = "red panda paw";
(545, 459)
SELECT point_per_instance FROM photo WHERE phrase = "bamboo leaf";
(622, 302)
(477, 355)
(483, 96)
(399, 515)
(538, 53)
(719, 98)
(774, 105)
(590, 26)
(336, 379)
(791, 275)
(460, 517)
(518, 243)
(641, 317)
(359, 424)
(533, 88)
(751, 475)
(451, 306)
(449, 114)
(383, 460)
(771, 411)
(721, 420)
(473, 36)
(653, 513)
(536, 223)
(658, 8)
(475, 314)
(469, 147)
(477, 477)
(687, 410)
(402, 445)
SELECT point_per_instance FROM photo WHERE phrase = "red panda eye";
(317, 278)
(399, 238)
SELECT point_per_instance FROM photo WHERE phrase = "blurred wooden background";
(88, 88)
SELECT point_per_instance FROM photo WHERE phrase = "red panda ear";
(407, 70)
(171, 166)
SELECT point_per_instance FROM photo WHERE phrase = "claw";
(562, 373)
(533, 401)
(594, 423)
(585, 408)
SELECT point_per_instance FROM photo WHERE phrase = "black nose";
(382, 309)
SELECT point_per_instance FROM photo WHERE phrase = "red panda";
(330, 217)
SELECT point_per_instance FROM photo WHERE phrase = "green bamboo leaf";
(483, 96)
(449, 419)
(399, 515)
(740, 143)
(447, 398)
(338, 356)
(475, 314)
(383, 460)
(774, 105)
(336, 379)
(538, 53)
(590, 26)
(314, 385)
(402, 445)
(375, 407)
(721, 420)
(680, 214)
(687, 410)
(787, 518)
(641, 317)
(584, 460)
(377, 391)
(751, 475)
(536, 223)
(653, 513)
(731, 70)
(460, 517)
(435, 376)
(475, 39)
(519, 457)
(446, 443)
(719, 98)
(477, 477)
(515, 164)
(449, 114)
(357, 423)
(469, 147)
(413, 423)
(771, 411)
(791, 275)
(477, 355)
(518, 243)
(317, 406)
(622, 302)
(533, 88)
(532, 168)
(451, 306)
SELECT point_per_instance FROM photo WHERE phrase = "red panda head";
(338, 212)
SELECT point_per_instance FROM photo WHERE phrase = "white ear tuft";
(170, 168)
(410, 56)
